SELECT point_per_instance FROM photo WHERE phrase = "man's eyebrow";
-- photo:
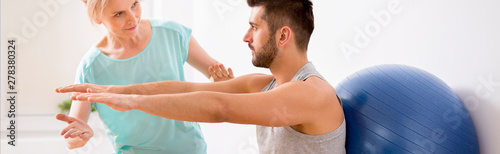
(252, 23)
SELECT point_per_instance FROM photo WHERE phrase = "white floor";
(40, 134)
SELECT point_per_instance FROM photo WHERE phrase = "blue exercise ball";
(402, 109)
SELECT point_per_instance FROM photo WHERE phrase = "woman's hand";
(77, 133)
(219, 73)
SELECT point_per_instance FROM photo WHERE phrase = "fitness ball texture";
(402, 109)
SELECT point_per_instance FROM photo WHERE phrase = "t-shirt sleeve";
(82, 71)
(185, 36)
(80, 75)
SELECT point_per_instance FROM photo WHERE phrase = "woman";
(138, 51)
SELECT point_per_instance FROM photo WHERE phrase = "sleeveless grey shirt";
(286, 140)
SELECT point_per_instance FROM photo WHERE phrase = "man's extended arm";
(290, 104)
(243, 84)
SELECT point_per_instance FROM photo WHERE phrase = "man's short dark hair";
(297, 14)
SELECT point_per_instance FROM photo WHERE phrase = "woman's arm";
(201, 61)
(77, 133)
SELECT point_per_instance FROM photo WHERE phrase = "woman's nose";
(131, 18)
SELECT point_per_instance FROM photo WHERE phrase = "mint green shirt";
(136, 131)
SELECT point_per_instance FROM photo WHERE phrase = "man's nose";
(248, 37)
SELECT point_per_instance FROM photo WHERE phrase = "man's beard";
(264, 57)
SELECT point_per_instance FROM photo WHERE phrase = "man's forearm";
(236, 85)
(195, 106)
(152, 88)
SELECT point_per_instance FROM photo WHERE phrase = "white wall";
(456, 40)
(52, 36)
(50, 45)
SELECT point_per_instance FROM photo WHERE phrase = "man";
(295, 109)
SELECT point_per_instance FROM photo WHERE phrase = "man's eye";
(118, 14)
(135, 4)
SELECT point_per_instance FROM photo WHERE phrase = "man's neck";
(284, 69)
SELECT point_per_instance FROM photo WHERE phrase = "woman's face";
(121, 17)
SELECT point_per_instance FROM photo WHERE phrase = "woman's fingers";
(65, 130)
(69, 132)
(230, 72)
(218, 71)
(85, 135)
(75, 134)
(211, 70)
(75, 127)
(223, 70)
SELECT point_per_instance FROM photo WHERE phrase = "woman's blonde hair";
(95, 9)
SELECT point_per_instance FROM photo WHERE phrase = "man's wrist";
(136, 102)
(111, 89)
(116, 89)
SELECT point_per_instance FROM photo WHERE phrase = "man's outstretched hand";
(83, 88)
(120, 102)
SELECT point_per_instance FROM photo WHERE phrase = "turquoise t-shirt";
(136, 131)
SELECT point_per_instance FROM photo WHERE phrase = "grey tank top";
(286, 140)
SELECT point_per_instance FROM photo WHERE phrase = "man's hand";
(219, 73)
(83, 88)
(77, 133)
(119, 102)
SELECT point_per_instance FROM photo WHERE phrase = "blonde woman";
(136, 50)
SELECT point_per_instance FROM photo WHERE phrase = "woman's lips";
(132, 28)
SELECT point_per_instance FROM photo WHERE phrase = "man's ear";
(285, 35)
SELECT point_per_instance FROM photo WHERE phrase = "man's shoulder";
(317, 86)
(258, 76)
(255, 82)
(316, 80)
